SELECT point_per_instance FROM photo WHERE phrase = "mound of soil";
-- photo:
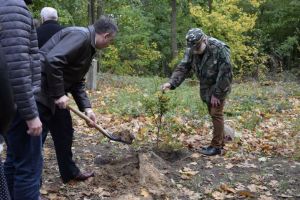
(136, 174)
(119, 176)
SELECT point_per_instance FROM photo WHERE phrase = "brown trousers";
(217, 116)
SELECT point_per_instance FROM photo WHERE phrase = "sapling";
(157, 107)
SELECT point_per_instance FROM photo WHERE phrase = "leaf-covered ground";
(262, 162)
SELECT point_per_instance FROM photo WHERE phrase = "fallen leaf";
(268, 193)
(247, 165)
(252, 188)
(101, 192)
(43, 192)
(195, 155)
(218, 195)
(264, 197)
(229, 196)
(209, 165)
(285, 196)
(208, 190)
(262, 159)
(87, 193)
(145, 193)
(226, 188)
(245, 193)
(262, 187)
(98, 190)
(274, 183)
(187, 173)
(52, 196)
(191, 195)
(193, 163)
(229, 166)
(239, 186)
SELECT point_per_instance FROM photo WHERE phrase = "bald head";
(48, 13)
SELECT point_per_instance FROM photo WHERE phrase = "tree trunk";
(91, 80)
(100, 10)
(91, 11)
(174, 48)
(174, 29)
(100, 6)
(210, 5)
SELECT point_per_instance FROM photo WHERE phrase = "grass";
(284, 185)
(296, 126)
(132, 91)
(129, 93)
(248, 105)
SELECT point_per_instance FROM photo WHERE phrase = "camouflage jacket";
(213, 69)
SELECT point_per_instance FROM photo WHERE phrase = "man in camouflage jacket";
(210, 59)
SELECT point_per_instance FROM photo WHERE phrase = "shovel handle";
(99, 128)
(83, 116)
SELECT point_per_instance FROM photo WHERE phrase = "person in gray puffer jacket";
(23, 164)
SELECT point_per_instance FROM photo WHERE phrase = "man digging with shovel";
(66, 59)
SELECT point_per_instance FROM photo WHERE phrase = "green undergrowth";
(248, 105)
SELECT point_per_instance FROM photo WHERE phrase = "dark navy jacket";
(20, 46)
(6, 99)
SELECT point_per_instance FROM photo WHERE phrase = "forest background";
(262, 162)
(263, 35)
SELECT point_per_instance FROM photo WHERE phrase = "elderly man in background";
(49, 26)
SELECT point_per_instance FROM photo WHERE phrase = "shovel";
(125, 138)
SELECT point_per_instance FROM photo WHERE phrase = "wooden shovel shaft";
(113, 137)
(83, 116)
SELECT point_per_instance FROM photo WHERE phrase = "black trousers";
(62, 132)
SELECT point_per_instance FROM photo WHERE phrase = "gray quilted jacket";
(19, 41)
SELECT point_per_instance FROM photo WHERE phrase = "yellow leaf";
(226, 188)
(43, 192)
(245, 193)
(187, 173)
(145, 193)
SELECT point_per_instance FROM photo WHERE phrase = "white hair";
(49, 13)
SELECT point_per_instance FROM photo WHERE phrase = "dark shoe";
(211, 151)
(84, 176)
(206, 148)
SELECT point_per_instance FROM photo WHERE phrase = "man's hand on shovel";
(126, 138)
(91, 115)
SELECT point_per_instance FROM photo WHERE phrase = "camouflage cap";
(193, 36)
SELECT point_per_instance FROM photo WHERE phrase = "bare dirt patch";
(128, 172)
